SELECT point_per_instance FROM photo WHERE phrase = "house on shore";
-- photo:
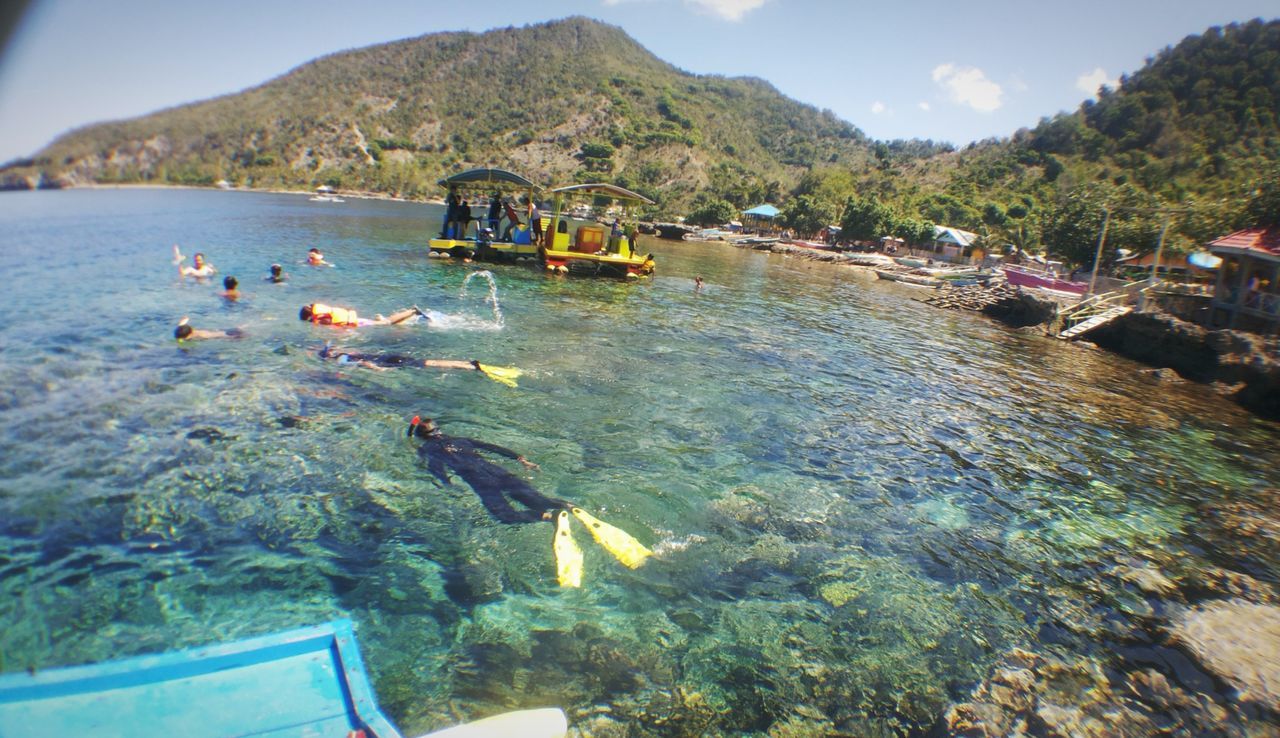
(1247, 293)
(954, 244)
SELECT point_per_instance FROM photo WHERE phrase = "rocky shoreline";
(1240, 366)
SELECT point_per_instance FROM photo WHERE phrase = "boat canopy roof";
(599, 188)
(486, 177)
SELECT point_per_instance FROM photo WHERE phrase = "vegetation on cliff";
(1190, 137)
(561, 101)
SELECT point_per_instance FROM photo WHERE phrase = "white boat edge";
(546, 722)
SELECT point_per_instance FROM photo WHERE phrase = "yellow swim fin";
(505, 374)
(616, 541)
(568, 555)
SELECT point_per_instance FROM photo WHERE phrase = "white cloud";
(969, 86)
(730, 10)
(1089, 83)
(923, 106)
(878, 107)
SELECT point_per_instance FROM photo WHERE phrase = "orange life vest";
(334, 315)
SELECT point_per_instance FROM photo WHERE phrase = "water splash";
(492, 297)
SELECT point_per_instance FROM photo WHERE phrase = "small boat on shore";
(1043, 280)
(918, 280)
(947, 272)
(304, 682)
(868, 259)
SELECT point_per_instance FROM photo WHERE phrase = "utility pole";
(1102, 240)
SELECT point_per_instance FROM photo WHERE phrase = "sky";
(931, 69)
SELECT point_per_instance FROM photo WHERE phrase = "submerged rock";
(1034, 694)
(209, 435)
(1239, 642)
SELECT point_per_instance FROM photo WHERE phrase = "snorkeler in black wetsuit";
(505, 374)
(497, 488)
(370, 360)
(491, 482)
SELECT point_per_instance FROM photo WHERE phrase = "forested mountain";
(1194, 137)
(558, 101)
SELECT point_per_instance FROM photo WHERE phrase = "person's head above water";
(422, 427)
(276, 269)
(230, 283)
(183, 331)
(305, 313)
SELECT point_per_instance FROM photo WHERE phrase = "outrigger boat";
(305, 683)
(478, 241)
(594, 249)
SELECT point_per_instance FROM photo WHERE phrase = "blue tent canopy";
(763, 211)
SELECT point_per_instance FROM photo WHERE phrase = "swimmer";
(329, 315)
(277, 275)
(498, 488)
(697, 284)
(184, 332)
(231, 288)
(381, 362)
(316, 259)
(200, 269)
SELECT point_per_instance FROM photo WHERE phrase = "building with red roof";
(1247, 295)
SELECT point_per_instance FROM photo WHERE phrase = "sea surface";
(858, 503)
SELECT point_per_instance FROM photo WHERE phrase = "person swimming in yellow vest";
(322, 314)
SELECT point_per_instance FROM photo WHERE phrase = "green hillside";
(559, 101)
(1194, 137)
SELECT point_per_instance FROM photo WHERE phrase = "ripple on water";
(857, 503)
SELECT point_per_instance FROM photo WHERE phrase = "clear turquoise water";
(857, 501)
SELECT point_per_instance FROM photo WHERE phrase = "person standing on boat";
(495, 213)
(513, 220)
(535, 221)
(450, 214)
(462, 216)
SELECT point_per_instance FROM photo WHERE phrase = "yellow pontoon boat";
(591, 248)
(467, 231)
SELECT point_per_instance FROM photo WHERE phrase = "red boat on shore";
(1044, 281)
